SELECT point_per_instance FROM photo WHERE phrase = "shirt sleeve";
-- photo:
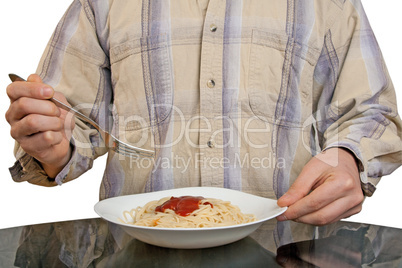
(76, 63)
(357, 103)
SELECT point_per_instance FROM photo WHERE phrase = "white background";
(26, 26)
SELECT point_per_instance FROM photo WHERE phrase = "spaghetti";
(186, 212)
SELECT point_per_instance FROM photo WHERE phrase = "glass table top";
(98, 243)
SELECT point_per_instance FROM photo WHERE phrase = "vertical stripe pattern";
(230, 91)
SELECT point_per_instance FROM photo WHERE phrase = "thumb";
(297, 191)
(34, 78)
(303, 184)
(46, 90)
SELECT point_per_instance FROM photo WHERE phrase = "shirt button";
(211, 83)
(213, 28)
(211, 144)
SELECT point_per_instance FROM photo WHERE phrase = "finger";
(34, 123)
(69, 120)
(42, 141)
(320, 197)
(40, 145)
(34, 78)
(312, 175)
(335, 211)
(335, 187)
(328, 215)
(34, 90)
(24, 106)
(301, 186)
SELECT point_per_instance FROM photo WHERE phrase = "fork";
(111, 141)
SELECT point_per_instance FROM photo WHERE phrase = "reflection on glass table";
(97, 243)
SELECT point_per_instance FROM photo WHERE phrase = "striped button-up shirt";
(238, 94)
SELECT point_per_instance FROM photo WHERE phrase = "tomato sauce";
(183, 205)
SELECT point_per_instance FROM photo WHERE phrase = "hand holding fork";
(41, 128)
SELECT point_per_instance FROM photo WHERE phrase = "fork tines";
(129, 151)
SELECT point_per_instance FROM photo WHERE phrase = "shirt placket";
(210, 159)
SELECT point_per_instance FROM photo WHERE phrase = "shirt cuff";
(27, 168)
(368, 184)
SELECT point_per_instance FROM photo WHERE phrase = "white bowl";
(185, 238)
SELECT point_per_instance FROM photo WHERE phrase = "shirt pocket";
(142, 78)
(280, 78)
